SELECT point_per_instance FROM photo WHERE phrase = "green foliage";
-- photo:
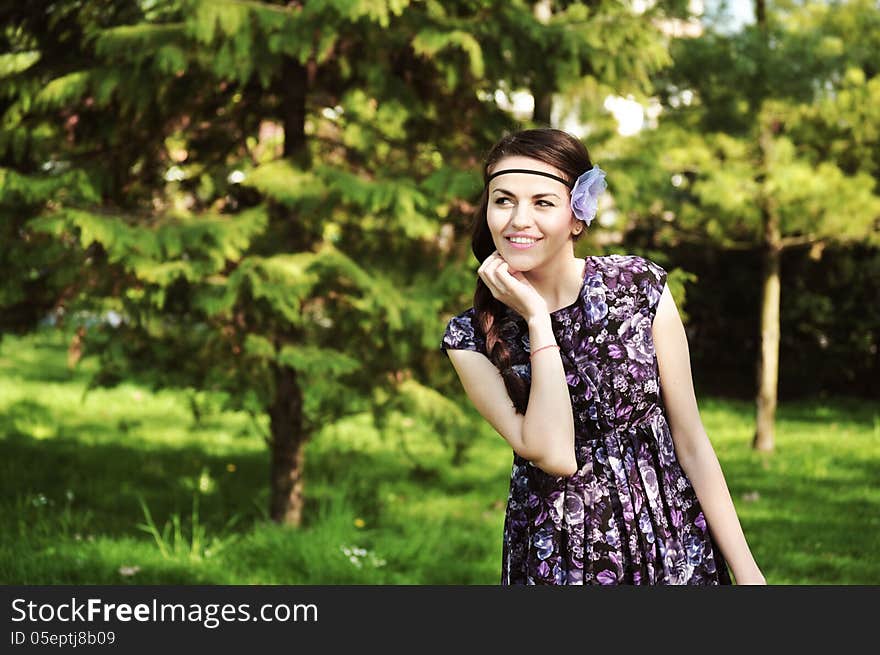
(777, 120)
(430, 42)
(16, 62)
(70, 88)
(192, 248)
(232, 195)
(160, 45)
(66, 186)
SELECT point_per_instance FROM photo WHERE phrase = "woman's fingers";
(500, 275)
(487, 273)
(489, 267)
(497, 275)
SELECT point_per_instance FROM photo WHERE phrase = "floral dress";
(629, 515)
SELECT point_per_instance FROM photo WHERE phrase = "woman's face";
(536, 206)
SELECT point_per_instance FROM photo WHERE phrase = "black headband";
(526, 170)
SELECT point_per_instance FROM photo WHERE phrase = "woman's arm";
(545, 434)
(548, 425)
(692, 446)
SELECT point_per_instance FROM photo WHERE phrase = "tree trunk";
(293, 88)
(287, 445)
(768, 366)
(288, 439)
(543, 95)
(543, 106)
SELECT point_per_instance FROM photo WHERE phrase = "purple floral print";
(629, 515)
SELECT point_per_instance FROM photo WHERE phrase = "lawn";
(124, 486)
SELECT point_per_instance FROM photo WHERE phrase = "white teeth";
(521, 240)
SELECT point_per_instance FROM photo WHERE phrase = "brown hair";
(565, 153)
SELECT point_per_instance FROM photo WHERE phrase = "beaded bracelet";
(549, 345)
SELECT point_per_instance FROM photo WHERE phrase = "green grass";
(121, 486)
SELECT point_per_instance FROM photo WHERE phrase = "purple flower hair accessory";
(585, 194)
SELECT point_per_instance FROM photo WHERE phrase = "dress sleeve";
(655, 280)
(463, 334)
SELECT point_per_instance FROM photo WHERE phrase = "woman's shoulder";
(629, 262)
(463, 333)
(632, 279)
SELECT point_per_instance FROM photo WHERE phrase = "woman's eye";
(546, 203)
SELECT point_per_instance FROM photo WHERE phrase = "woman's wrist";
(538, 320)
(540, 332)
(537, 350)
(752, 575)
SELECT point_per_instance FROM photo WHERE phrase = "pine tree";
(260, 190)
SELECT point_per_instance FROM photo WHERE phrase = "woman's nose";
(522, 226)
(521, 217)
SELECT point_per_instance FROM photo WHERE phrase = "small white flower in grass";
(129, 571)
(357, 556)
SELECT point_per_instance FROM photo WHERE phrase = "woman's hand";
(511, 287)
(754, 578)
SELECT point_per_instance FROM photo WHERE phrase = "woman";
(614, 480)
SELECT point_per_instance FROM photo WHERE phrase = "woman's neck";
(559, 284)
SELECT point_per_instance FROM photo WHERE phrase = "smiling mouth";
(522, 241)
